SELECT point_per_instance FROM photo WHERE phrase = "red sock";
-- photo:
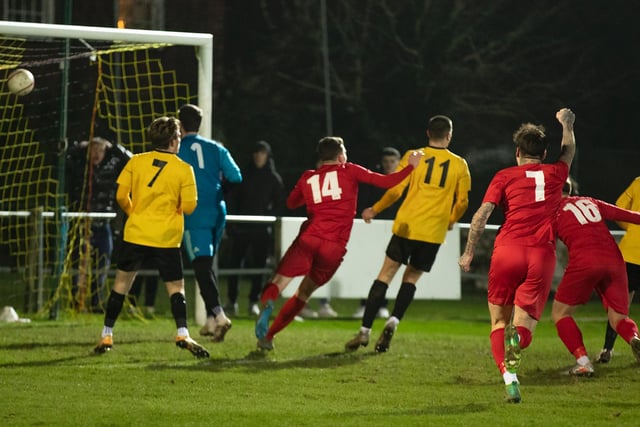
(497, 348)
(270, 292)
(287, 313)
(627, 329)
(570, 335)
(525, 337)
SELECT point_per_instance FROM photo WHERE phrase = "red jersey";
(595, 262)
(529, 196)
(331, 193)
(581, 226)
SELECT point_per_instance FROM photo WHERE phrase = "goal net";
(89, 83)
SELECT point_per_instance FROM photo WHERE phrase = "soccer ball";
(20, 82)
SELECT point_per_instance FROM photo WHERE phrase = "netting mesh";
(134, 87)
(114, 92)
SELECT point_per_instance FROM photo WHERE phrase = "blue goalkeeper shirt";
(212, 163)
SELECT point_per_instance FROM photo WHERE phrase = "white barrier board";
(365, 253)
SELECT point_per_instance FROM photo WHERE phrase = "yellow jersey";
(630, 243)
(159, 185)
(437, 197)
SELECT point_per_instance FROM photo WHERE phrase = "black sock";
(179, 309)
(403, 300)
(114, 306)
(374, 302)
(203, 269)
(610, 337)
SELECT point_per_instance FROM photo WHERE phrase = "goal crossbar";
(203, 42)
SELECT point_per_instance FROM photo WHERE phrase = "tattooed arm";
(478, 223)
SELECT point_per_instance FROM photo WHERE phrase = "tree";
(394, 63)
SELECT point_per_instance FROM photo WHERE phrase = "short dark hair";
(390, 151)
(330, 147)
(163, 130)
(439, 126)
(190, 116)
(530, 139)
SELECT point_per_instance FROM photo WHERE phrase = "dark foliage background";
(490, 65)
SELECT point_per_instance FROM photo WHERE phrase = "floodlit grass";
(439, 371)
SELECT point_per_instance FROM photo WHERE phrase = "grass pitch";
(439, 371)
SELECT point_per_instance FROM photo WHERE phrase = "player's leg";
(575, 289)
(121, 286)
(508, 265)
(615, 298)
(633, 281)
(129, 261)
(270, 294)
(627, 329)
(297, 261)
(530, 298)
(218, 324)
(571, 336)
(375, 298)
(500, 318)
(422, 257)
(200, 245)
(322, 258)
(169, 264)
(378, 291)
(288, 312)
(394, 257)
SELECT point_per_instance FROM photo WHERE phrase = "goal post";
(118, 81)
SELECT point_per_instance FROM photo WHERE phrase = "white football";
(20, 82)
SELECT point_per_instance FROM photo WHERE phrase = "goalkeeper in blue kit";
(212, 164)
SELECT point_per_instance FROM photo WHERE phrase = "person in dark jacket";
(260, 193)
(92, 169)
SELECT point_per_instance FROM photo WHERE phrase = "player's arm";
(615, 213)
(123, 197)
(230, 169)
(388, 198)
(461, 202)
(395, 178)
(188, 194)
(123, 193)
(296, 198)
(188, 206)
(478, 224)
(409, 162)
(566, 117)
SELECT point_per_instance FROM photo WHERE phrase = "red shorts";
(522, 276)
(312, 256)
(607, 277)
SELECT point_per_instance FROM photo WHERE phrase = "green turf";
(439, 371)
